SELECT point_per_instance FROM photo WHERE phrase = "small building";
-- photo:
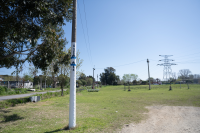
(17, 84)
(1, 79)
(157, 83)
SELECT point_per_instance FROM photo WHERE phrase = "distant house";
(1, 79)
(157, 83)
(17, 84)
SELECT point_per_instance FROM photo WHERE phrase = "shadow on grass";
(54, 131)
(10, 118)
(5, 111)
(64, 129)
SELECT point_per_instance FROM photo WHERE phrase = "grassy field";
(103, 111)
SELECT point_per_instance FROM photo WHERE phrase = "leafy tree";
(151, 80)
(59, 68)
(109, 76)
(144, 83)
(102, 78)
(33, 71)
(130, 77)
(82, 76)
(79, 82)
(134, 82)
(27, 77)
(84, 82)
(24, 22)
(89, 81)
(93, 79)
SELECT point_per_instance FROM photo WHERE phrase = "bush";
(93, 90)
(11, 92)
(3, 90)
(13, 102)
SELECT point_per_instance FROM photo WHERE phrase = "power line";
(87, 30)
(84, 34)
(153, 60)
(189, 58)
(188, 55)
(187, 61)
(125, 64)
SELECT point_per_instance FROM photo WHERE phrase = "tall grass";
(5, 91)
(14, 102)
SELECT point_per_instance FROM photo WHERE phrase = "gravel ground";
(167, 119)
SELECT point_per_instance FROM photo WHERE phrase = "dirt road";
(167, 119)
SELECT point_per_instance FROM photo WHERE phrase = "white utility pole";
(72, 100)
(149, 75)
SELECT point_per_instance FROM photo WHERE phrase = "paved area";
(23, 95)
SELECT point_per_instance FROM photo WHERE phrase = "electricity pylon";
(167, 71)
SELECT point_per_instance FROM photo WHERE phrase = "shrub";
(2, 90)
(11, 92)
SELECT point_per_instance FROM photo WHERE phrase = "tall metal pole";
(72, 100)
(93, 78)
(149, 75)
(97, 81)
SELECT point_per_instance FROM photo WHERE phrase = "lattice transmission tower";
(167, 71)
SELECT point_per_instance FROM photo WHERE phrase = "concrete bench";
(31, 89)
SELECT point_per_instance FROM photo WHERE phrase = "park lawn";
(104, 111)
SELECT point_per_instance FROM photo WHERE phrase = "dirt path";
(24, 95)
(168, 119)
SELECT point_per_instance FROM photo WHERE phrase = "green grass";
(16, 91)
(24, 100)
(103, 111)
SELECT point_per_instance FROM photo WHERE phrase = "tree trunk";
(188, 86)
(170, 88)
(45, 83)
(61, 89)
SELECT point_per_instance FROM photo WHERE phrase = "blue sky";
(113, 33)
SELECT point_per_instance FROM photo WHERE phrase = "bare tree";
(184, 74)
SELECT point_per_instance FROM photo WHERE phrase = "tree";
(134, 82)
(79, 82)
(59, 69)
(82, 76)
(109, 76)
(144, 83)
(89, 81)
(127, 78)
(151, 80)
(84, 82)
(56, 68)
(133, 77)
(24, 22)
(184, 75)
(27, 77)
(33, 71)
(130, 77)
(196, 78)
